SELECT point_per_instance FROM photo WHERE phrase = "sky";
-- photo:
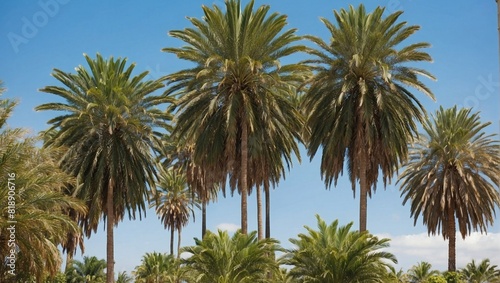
(38, 36)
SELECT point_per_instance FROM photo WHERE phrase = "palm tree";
(90, 270)
(34, 205)
(482, 273)
(108, 127)
(336, 254)
(123, 277)
(242, 258)
(158, 268)
(421, 272)
(174, 202)
(396, 276)
(358, 103)
(201, 184)
(452, 176)
(237, 88)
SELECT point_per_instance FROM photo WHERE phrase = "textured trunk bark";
(243, 177)
(260, 230)
(110, 258)
(203, 218)
(363, 192)
(179, 232)
(172, 241)
(268, 210)
(452, 232)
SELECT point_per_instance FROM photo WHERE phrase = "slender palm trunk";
(363, 189)
(110, 266)
(172, 241)
(69, 258)
(243, 177)
(179, 231)
(498, 15)
(203, 218)
(268, 210)
(452, 232)
(260, 229)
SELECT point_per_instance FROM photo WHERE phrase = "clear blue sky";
(37, 36)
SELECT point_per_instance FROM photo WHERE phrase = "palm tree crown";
(241, 258)
(237, 87)
(108, 128)
(336, 254)
(452, 175)
(358, 104)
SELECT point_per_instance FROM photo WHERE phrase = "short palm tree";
(483, 272)
(236, 88)
(334, 253)
(158, 268)
(359, 103)
(241, 258)
(420, 272)
(175, 153)
(174, 202)
(123, 277)
(452, 176)
(108, 128)
(90, 270)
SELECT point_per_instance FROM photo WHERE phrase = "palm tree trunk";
(179, 242)
(69, 258)
(268, 210)
(260, 229)
(172, 240)
(243, 177)
(452, 232)
(110, 265)
(203, 218)
(363, 192)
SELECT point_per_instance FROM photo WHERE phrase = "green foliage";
(436, 279)
(220, 258)
(158, 268)
(421, 272)
(336, 254)
(90, 270)
(453, 277)
(59, 278)
(482, 272)
(31, 193)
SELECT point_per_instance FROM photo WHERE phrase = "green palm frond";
(334, 253)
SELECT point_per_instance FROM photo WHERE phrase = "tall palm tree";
(452, 176)
(174, 203)
(236, 88)
(90, 270)
(484, 272)
(420, 272)
(108, 127)
(158, 268)
(242, 258)
(359, 102)
(33, 205)
(334, 253)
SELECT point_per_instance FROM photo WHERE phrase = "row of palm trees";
(237, 115)
(332, 253)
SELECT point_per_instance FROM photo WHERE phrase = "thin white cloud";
(411, 249)
(229, 227)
